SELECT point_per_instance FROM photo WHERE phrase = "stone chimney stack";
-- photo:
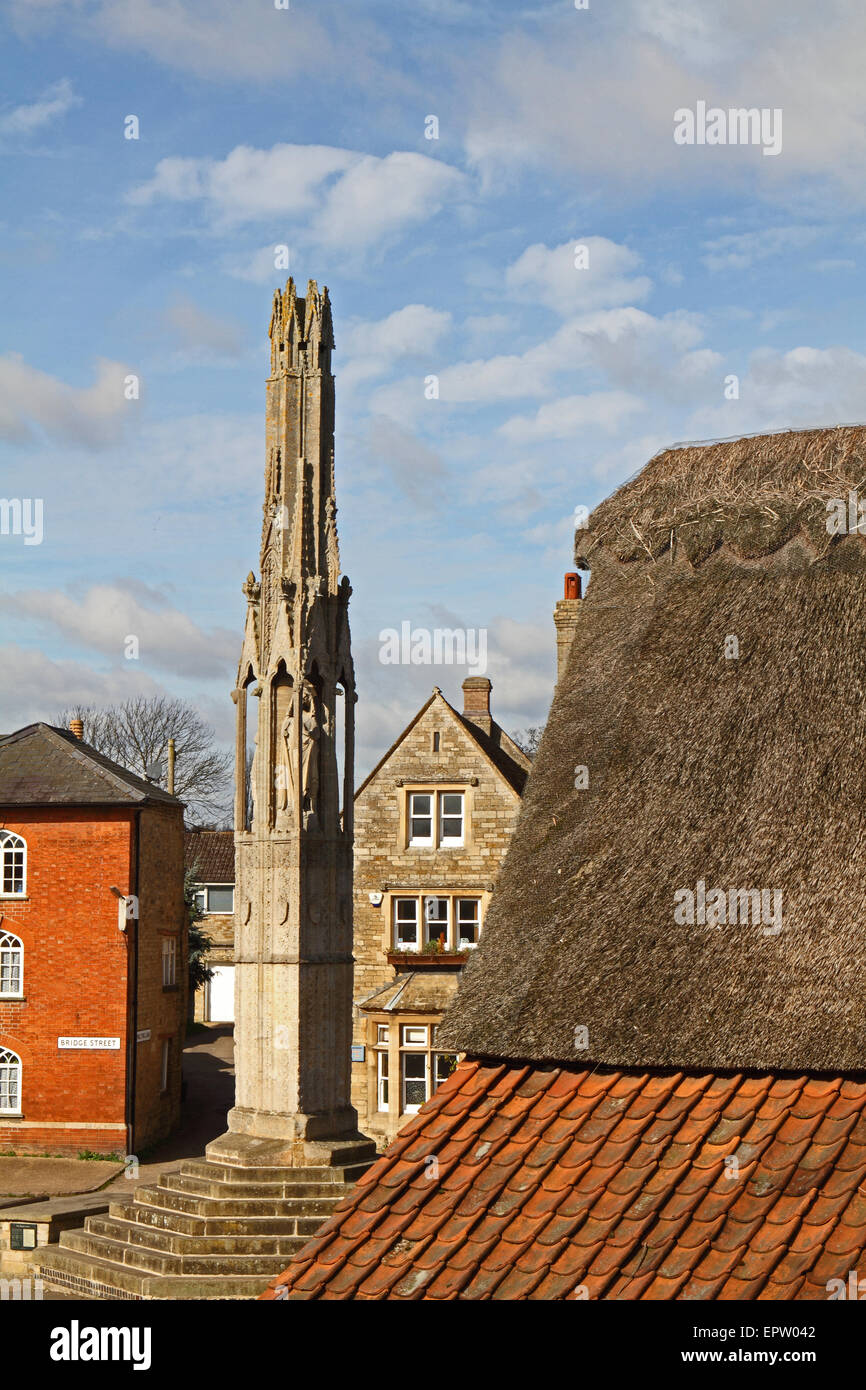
(565, 617)
(76, 726)
(476, 702)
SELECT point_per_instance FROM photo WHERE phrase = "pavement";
(208, 1069)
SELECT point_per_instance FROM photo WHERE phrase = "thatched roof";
(743, 772)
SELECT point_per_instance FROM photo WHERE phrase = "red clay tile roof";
(546, 1179)
(211, 855)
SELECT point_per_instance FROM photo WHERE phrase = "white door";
(222, 995)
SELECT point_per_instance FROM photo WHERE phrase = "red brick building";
(93, 949)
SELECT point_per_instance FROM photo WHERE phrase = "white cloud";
(806, 386)
(372, 347)
(610, 88)
(602, 279)
(350, 199)
(34, 403)
(34, 685)
(202, 333)
(212, 38)
(561, 419)
(108, 614)
(54, 102)
(741, 250)
(412, 466)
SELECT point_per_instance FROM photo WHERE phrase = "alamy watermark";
(739, 125)
(845, 518)
(22, 516)
(443, 646)
(719, 907)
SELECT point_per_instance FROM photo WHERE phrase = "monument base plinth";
(272, 1139)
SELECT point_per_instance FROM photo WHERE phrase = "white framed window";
(169, 961)
(414, 1035)
(415, 1074)
(406, 924)
(13, 865)
(382, 1080)
(10, 1082)
(11, 966)
(216, 898)
(420, 818)
(381, 1035)
(164, 1063)
(450, 922)
(468, 922)
(436, 921)
(451, 818)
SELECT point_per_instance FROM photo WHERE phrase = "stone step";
(208, 1187)
(194, 1204)
(228, 1172)
(88, 1276)
(138, 1257)
(153, 1238)
(183, 1224)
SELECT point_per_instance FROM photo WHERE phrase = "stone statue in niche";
(285, 780)
(310, 732)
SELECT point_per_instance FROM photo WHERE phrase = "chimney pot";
(76, 726)
(572, 585)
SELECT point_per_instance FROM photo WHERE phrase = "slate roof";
(211, 855)
(41, 765)
(413, 991)
(553, 1178)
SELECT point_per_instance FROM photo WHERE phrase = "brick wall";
(75, 980)
(77, 966)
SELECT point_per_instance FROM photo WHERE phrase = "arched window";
(11, 966)
(13, 865)
(10, 1082)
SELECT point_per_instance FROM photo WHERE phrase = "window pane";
(406, 922)
(200, 901)
(436, 920)
(415, 1036)
(467, 921)
(421, 816)
(451, 817)
(220, 899)
(414, 1080)
(382, 1033)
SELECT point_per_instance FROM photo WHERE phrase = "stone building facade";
(93, 950)
(210, 858)
(432, 823)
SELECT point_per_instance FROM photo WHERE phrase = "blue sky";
(453, 256)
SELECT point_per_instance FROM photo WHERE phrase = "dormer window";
(13, 865)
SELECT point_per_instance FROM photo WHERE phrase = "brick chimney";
(76, 727)
(565, 617)
(476, 702)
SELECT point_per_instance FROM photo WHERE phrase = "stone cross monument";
(295, 700)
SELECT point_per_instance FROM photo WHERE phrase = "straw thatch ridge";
(755, 494)
(743, 772)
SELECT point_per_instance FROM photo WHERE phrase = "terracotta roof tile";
(556, 1179)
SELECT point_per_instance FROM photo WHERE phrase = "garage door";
(222, 995)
